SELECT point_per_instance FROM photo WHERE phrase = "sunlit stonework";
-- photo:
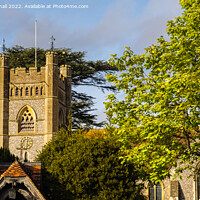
(34, 103)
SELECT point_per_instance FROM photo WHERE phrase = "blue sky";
(103, 28)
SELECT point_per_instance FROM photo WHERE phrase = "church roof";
(15, 170)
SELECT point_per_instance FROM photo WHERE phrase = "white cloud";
(120, 25)
(154, 19)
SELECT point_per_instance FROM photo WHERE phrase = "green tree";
(87, 166)
(6, 156)
(158, 119)
(84, 73)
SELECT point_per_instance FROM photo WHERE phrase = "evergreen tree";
(84, 73)
(6, 156)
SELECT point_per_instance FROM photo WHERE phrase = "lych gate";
(15, 183)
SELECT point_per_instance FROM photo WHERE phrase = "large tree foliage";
(87, 166)
(84, 73)
(158, 119)
(6, 156)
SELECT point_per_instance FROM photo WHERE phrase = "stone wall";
(175, 188)
(16, 148)
(15, 106)
(21, 75)
(37, 137)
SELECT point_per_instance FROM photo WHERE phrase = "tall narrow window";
(25, 157)
(155, 191)
(31, 91)
(27, 92)
(16, 91)
(151, 192)
(11, 92)
(42, 91)
(36, 91)
(197, 182)
(21, 91)
(158, 192)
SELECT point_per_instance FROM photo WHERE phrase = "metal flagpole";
(35, 43)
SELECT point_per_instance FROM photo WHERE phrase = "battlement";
(33, 82)
(36, 74)
(27, 75)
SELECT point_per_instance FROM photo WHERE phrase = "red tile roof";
(15, 170)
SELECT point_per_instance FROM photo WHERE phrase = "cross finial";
(52, 42)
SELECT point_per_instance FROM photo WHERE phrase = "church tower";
(4, 99)
(51, 102)
(34, 104)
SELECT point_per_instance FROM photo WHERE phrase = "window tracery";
(26, 122)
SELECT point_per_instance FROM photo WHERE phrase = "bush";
(81, 166)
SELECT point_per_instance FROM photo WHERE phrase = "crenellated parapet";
(37, 82)
(27, 75)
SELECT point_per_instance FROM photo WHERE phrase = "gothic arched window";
(26, 120)
(155, 191)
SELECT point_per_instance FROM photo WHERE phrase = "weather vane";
(52, 42)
